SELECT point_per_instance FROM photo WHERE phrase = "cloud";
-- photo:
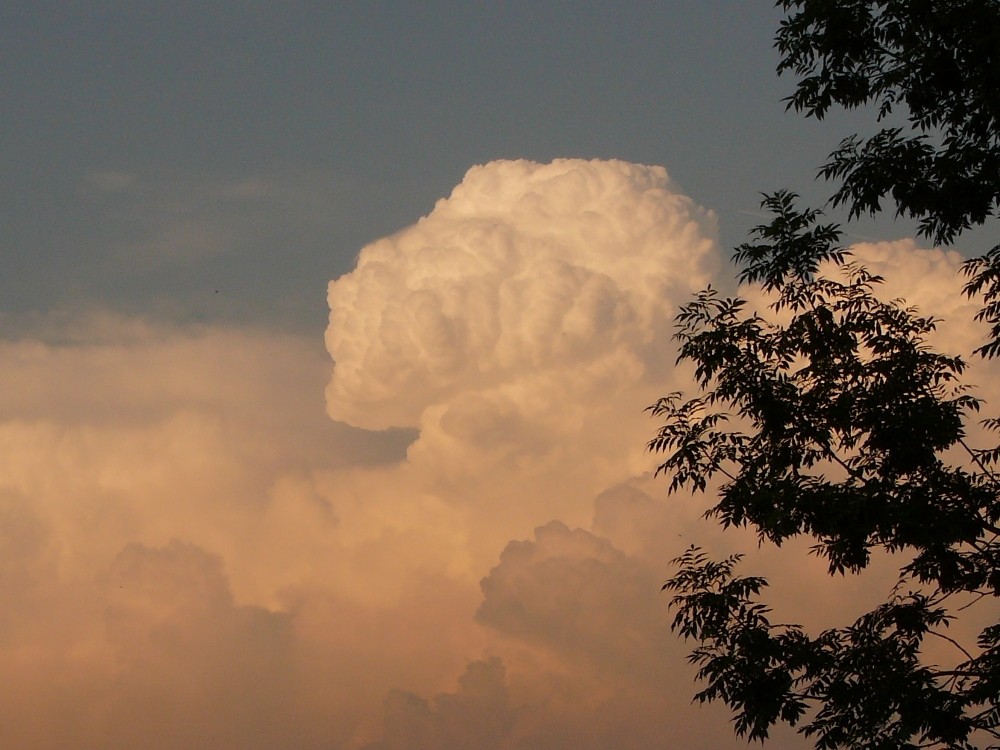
(171, 554)
(578, 594)
(587, 659)
(526, 272)
(521, 327)
(478, 715)
(185, 649)
(192, 553)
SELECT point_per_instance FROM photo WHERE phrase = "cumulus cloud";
(521, 327)
(192, 553)
(587, 659)
(478, 715)
(185, 649)
(540, 588)
(526, 272)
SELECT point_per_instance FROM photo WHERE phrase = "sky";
(325, 337)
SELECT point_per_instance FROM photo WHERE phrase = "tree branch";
(953, 642)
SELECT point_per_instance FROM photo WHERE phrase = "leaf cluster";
(934, 62)
(829, 415)
(865, 683)
(831, 424)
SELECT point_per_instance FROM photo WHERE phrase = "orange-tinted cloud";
(193, 554)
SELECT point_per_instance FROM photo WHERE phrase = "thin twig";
(976, 459)
(954, 643)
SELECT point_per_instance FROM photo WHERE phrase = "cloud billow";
(526, 270)
(193, 554)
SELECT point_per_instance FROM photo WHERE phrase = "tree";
(939, 61)
(833, 418)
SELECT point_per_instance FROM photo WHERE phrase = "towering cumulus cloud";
(193, 555)
(521, 326)
(527, 273)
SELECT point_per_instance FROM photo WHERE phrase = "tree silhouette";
(830, 416)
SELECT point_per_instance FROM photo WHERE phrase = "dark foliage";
(934, 62)
(834, 423)
(828, 415)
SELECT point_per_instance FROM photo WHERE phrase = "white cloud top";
(526, 269)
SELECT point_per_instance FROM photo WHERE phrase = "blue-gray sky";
(157, 152)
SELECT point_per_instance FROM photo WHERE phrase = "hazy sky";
(158, 152)
(325, 337)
